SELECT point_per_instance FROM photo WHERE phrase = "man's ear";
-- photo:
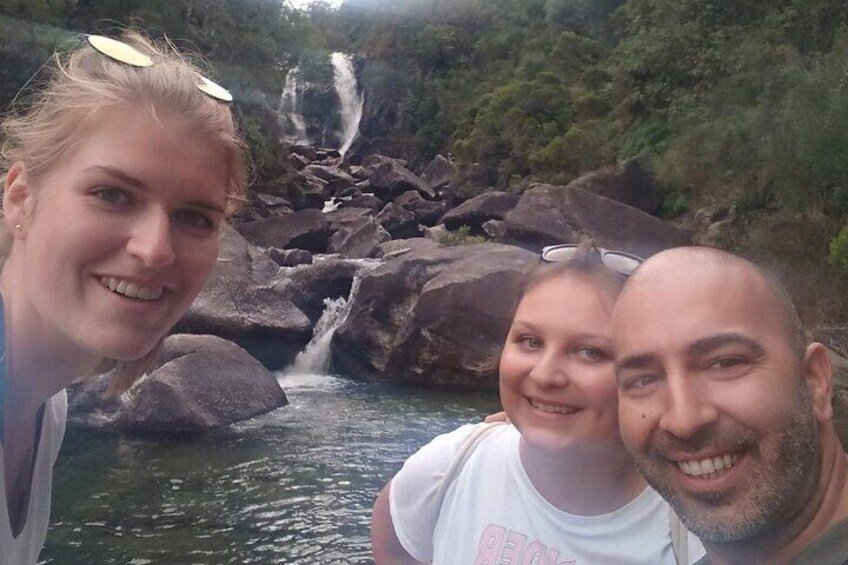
(18, 198)
(818, 374)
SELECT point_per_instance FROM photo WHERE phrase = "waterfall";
(291, 116)
(315, 358)
(350, 99)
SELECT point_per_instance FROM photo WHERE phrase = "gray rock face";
(304, 229)
(630, 183)
(479, 210)
(439, 172)
(290, 257)
(365, 201)
(427, 212)
(358, 239)
(424, 316)
(237, 303)
(399, 222)
(198, 383)
(389, 179)
(307, 286)
(397, 247)
(548, 214)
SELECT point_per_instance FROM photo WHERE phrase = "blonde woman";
(117, 179)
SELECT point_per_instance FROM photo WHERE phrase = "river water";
(293, 486)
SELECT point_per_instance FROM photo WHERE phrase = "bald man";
(727, 411)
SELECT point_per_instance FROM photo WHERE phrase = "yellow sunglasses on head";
(125, 53)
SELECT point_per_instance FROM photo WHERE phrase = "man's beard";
(781, 475)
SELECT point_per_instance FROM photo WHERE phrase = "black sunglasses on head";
(619, 261)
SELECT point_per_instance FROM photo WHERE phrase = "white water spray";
(315, 358)
(291, 116)
(349, 97)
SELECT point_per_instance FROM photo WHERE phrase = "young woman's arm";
(384, 541)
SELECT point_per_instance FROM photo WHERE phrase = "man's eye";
(726, 363)
(638, 383)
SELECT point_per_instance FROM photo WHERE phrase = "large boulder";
(237, 303)
(479, 210)
(438, 172)
(548, 214)
(198, 383)
(310, 286)
(389, 179)
(364, 201)
(358, 239)
(427, 212)
(304, 229)
(631, 183)
(433, 316)
(399, 222)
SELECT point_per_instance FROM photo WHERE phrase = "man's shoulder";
(831, 548)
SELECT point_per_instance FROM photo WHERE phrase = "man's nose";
(688, 407)
(151, 240)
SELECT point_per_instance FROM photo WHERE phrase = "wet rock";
(427, 316)
(304, 229)
(548, 214)
(198, 383)
(631, 183)
(480, 209)
(427, 212)
(400, 223)
(358, 239)
(308, 286)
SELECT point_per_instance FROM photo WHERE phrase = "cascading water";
(291, 116)
(315, 358)
(351, 101)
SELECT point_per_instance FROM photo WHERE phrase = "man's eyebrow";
(118, 174)
(708, 344)
(635, 361)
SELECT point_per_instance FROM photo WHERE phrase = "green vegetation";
(461, 236)
(740, 103)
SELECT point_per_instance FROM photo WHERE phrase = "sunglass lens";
(557, 253)
(120, 51)
(620, 263)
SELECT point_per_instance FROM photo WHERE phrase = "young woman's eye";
(196, 219)
(530, 342)
(592, 354)
(113, 196)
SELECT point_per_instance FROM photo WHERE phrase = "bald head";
(704, 263)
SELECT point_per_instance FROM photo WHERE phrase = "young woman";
(117, 179)
(556, 486)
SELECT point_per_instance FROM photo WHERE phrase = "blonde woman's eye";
(113, 196)
(196, 220)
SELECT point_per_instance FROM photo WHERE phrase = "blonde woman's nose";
(151, 240)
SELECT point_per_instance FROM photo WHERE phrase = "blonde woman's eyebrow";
(118, 174)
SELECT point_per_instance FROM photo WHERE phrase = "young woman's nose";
(688, 407)
(150, 240)
(550, 370)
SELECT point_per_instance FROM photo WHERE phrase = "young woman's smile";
(120, 236)
(556, 370)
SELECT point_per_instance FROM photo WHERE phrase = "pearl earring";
(19, 227)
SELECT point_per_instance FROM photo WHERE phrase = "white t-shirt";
(493, 515)
(24, 549)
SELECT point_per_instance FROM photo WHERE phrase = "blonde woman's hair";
(83, 85)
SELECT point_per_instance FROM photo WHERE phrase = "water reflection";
(293, 486)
